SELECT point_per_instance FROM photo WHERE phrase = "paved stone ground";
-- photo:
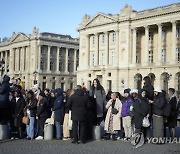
(95, 147)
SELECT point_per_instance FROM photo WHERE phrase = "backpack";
(167, 109)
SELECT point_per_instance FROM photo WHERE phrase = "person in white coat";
(113, 121)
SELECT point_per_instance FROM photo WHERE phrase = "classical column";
(146, 47)
(22, 59)
(134, 46)
(96, 49)
(87, 51)
(27, 59)
(17, 60)
(159, 43)
(39, 58)
(106, 49)
(57, 60)
(6, 60)
(75, 52)
(117, 47)
(174, 39)
(66, 61)
(11, 61)
(48, 58)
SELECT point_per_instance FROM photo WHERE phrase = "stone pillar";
(117, 47)
(174, 39)
(106, 49)
(75, 52)
(48, 58)
(22, 59)
(6, 60)
(39, 58)
(159, 43)
(66, 61)
(17, 60)
(27, 59)
(57, 60)
(146, 47)
(87, 51)
(11, 61)
(134, 46)
(96, 49)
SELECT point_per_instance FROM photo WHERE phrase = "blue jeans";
(58, 130)
(31, 127)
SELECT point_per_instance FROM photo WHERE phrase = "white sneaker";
(39, 138)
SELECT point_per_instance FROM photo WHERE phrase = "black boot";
(107, 137)
(114, 137)
(20, 133)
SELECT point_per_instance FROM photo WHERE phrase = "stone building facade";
(47, 59)
(121, 49)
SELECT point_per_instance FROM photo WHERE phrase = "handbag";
(145, 122)
(114, 111)
(25, 120)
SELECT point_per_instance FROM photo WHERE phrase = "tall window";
(103, 38)
(150, 36)
(52, 66)
(178, 31)
(93, 40)
(70, 60)
(137, 57)
(163, 56)
(163, 33)
(114, 37)
(113, 58)
(43, 65)
(103, 58)
(93, 59)
(151, 56)
(178, 54)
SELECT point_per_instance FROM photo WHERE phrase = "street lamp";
(35, 75)
(2, 67)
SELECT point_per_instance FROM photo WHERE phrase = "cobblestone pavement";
(95, 147)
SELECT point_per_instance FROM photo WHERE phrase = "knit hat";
(127, 91)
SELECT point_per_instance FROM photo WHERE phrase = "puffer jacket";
(127, 102)
(4, 92)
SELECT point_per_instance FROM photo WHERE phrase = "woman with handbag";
(19, 104)
(112, 121)
(31, 106)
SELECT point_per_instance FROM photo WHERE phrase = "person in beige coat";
(112, 121)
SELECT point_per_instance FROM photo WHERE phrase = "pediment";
(100, 19)
(19, 37)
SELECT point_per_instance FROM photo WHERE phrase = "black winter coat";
(139, 113)
(58, 106)
(42, 109)
(78, 104)
(19, 110)
(158, 105)
(4, 92)
(32, 106)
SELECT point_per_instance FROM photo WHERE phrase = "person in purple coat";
(125, 113)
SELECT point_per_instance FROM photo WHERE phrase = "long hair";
(99, 87)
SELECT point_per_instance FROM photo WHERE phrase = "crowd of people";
(76, 111)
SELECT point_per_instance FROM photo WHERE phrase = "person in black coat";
(42, 114)
(4, 100)
(138, 112)
(172, 119)
(158, 105)
(58, 109)
(19, 104)
(146, 109)
(31, 110)
(78, 104)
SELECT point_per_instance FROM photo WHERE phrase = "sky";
(61, 16)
